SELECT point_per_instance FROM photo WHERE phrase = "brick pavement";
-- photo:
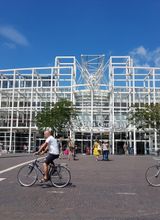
(100, 190)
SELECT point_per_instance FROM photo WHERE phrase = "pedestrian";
(71, 149)
(74, 152)
(105, 150)
(125, 148)
(66, 151)
(25, 148)
(96, 150)
(110, 148)
(1, 149)
(59, 141)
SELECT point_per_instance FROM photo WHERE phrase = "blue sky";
(33, 32)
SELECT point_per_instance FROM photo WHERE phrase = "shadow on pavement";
(48, 185)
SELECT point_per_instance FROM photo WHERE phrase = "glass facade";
(103, 94)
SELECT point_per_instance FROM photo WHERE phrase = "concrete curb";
(10, 155)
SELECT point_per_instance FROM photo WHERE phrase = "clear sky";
(33, 32)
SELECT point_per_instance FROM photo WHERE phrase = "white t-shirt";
(52, 145)
(105, 147)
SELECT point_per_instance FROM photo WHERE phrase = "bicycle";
(152, 174)
(59, 175)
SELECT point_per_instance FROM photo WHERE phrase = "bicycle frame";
(35, 165)
(158, 172)
(54, 174)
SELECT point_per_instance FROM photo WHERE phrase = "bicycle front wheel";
(27, 175)
(60, 177)
(153, 175)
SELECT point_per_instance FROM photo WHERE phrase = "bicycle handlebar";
(36, 154)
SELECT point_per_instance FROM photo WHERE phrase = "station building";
(103, 93)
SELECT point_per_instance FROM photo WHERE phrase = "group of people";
(68, 149)
(101, 148)
(55, 150)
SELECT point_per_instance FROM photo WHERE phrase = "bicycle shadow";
(49, 185)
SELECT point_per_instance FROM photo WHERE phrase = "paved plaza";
(100, 190)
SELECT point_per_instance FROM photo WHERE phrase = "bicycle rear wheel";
(27, 175)
(153, 175)
(60, 177)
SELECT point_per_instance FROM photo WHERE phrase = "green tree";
(57, 116)
(145, 117)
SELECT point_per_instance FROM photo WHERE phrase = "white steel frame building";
(103, 93)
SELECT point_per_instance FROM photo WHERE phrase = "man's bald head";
(47, 133)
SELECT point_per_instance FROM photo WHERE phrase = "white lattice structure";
(102, 92)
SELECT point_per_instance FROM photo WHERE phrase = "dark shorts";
(50, 158)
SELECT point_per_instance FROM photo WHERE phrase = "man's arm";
(43, 148)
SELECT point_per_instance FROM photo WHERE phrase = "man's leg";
(107, 153)
(45, 167)
(103, 153)
(69, 154)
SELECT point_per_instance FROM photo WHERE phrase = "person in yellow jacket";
(97, 150)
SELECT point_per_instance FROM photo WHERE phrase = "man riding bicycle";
(51, 146)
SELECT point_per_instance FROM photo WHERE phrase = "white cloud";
(145, 57)
(9, 45)
(141, 51)
(13, 35)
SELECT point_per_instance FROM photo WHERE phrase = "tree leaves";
(57, 116)
(146, 117)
